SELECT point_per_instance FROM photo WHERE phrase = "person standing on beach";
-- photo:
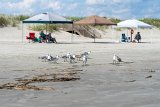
(132, 31)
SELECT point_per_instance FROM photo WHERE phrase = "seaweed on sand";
(24, 83)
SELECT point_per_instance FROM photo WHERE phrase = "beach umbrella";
(93, 21)
(133, 23)
(47, 18)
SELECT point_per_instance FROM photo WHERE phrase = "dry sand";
(101, 83)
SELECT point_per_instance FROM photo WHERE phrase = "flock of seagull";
(71, 58)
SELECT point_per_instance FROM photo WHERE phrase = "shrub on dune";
(3, 21)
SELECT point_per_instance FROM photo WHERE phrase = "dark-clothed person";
(138, 37)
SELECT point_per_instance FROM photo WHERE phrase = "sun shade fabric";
(133, 24)
(47, 18)
(94, 20)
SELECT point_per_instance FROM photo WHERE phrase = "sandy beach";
(132, 83)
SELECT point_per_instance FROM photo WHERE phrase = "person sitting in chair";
(43, 36)
(124, 38)
(51, 39)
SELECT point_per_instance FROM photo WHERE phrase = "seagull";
(68, 55)
(116, 59)
(86, 53)
(55, 59)
(72, 58)
(84, 58)
(65, 58)
(49, 57)
(78, 57)
(119, 59)
(43, 57)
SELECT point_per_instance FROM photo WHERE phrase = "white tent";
(132, 23)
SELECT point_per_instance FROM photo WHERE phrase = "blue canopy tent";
(47, 18)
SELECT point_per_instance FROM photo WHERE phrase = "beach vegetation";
(74, 18)
(39, 27)
(14, 20)
(11, 20)
(102, 28)
(21, 17)
(3, 21)
(118, 29)
(115, 20)
(152, 21)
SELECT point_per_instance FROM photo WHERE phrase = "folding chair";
(31, 36)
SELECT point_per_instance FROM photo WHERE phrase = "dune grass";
(39, 27)
(14, 20)
(152, 21)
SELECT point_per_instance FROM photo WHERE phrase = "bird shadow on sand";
(130, 81)
(85, 65)
(117, 64)
(18, 70)
(127, 62)
(75, 66)
(121, 63)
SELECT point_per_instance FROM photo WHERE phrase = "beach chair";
(31, 36)
(125, 38)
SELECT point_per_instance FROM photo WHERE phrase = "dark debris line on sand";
(24, 84)
(150, 76)
(131, 81)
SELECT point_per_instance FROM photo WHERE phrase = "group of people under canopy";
(43, 38)
(47, 38)
(137, 37)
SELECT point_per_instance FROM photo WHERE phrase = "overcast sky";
(123, 9)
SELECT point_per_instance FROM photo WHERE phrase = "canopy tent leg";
(151, 32)
(94, 36)
(131, 36)
(46, 28)
(22, 32)
(117, 38)
(72, 34)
